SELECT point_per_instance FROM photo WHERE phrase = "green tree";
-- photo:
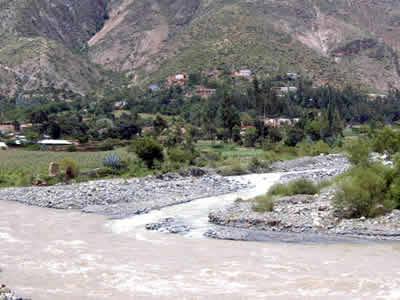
(159, 124)
(236, 137)
(147, 149)
(229, 115)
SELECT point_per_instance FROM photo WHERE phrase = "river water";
(52, 254)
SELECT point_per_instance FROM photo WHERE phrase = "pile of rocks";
(305, 214)
(121, 198)
(169, 225)
(7, 294)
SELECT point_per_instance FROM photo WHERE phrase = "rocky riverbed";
(317, 169)
(303, 217)
(301, 214)
(120, 198)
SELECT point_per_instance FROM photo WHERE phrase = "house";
(287, 89)
(376, 96)
(204, 92)
(7, 126)
(26, 126)
(120, 104)
(54, 143)
(154, 87)
(279, 122)
(293, 76)
(178, 79)
(245, 73)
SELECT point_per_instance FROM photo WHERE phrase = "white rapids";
(53, 254)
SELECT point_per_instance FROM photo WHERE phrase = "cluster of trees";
(323, 111)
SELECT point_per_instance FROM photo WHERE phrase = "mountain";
(42, 43)
(67, 43)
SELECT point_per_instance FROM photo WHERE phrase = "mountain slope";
(326, 39)
(65, 43)
(41, 43)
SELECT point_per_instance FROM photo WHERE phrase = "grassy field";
(38, 161)
(228, 150)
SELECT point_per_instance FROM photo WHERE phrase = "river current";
(55, 254)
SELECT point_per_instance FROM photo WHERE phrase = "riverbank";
(119, 198)
(305, 215)
(309, 217)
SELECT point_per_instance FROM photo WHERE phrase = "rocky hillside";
(43, 42)
(330, 40)
(63, 41)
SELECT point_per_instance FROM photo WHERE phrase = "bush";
(258, 166)
(297, 187)
(386, 139)
(294, 136)
(363, 194)
(148, 149)
(83, 139)
(235, 169)
(320, 147)
(181, 156)
(70, 168)
(270, 157)
(250, 137)
(108, 145)
(358, 152)
(71, 148)
(112, 161)
(263, 204)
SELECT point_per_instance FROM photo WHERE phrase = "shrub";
(235, 169)
(320, 147)
(112, 161)
(179, 155)
(297, 187)
(148, 149)
(363, 194)
(270, 157)
(236, 137)
(258, 166)
(263, 203)
(294, 136)
(358, 152)
(71, 148)
(386, 139)
(250, 137)
(70, 168)
(83, 139)
(108, 145)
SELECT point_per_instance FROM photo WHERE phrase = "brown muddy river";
(51, 254)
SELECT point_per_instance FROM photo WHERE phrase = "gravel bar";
(119, 198)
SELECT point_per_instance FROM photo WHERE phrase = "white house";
(245, 73)
(54, 143)
(292, 75)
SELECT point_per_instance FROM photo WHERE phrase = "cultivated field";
(39, 160)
